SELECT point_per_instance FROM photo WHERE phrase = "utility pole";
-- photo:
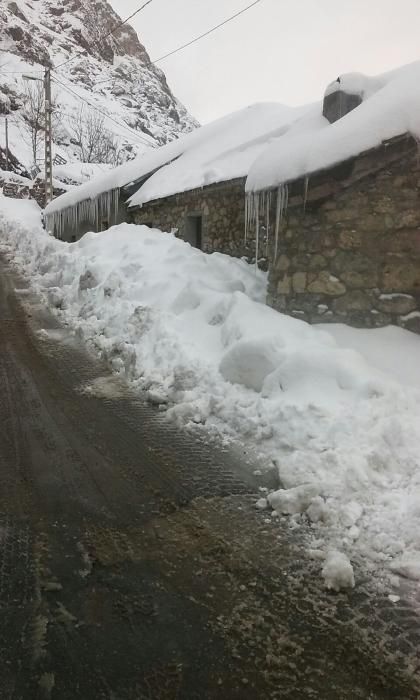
(49, 193)
(7, 144)
(48, 138)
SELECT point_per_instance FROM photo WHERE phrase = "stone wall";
(222, 208)
(354, 257)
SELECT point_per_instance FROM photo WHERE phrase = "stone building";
(349, 243)
(344, 196)
(210, 218)
(326, 197)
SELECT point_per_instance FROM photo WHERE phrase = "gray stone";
(400, 274)
(396, 303)
(299, 282)
(284, 285)
(317, 262)
(411, 322)
(353, 301)
(326, 283)
(283, 263)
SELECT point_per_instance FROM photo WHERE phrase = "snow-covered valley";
(335, 409)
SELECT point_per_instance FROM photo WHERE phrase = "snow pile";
(19, 216)
(391, 107)
(339, 418)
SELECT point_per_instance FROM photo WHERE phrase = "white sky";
(280, 50)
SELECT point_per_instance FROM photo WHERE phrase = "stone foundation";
(354, 257)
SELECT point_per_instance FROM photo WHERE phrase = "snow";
(336, 409)
(391, 107)
(215, 152)
(221, 151)
(270, 144)
(132, 94)
(79, 172)
(338, 572)
(23, 214)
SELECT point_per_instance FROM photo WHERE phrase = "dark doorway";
(194, 230)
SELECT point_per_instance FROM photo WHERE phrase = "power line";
(209, 31)
(193, 41)
(102, 38)
(104, 114)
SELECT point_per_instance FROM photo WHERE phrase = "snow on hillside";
(114, 75)
(390, 107)
(335, 411)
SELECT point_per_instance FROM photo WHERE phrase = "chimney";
(338, 101)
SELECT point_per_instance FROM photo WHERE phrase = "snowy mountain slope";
(115, 75)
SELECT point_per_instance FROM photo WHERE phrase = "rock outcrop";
(114, 73)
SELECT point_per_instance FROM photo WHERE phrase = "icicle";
(278, 217)
(246, 217)
(305, 193)
(281, 208)
(267, 221)
(257, 228)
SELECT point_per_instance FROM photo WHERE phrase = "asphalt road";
(134, 565)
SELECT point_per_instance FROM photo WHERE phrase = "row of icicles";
(89, 211)
(258, 207)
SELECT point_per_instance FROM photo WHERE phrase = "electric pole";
(7, 144)
(48, 138)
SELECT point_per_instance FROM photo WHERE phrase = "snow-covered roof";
(390, 107)
(221, 150)
(269, 143)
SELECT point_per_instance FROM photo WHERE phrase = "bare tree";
(97, 144)
(33, 114)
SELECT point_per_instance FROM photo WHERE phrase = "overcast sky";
(283, 51)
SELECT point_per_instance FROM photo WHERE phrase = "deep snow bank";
(190, 329)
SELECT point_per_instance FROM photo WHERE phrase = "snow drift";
(339, 417)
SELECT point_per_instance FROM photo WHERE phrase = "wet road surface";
(134, 565)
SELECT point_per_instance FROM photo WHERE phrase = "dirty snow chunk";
(318, 510)
(338, 572)
(261, 504)
(408, 566)
(293, 501)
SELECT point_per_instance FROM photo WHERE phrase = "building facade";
(210, 218)
(350, 253)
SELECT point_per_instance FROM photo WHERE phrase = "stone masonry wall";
(222, 208)
(354, 257)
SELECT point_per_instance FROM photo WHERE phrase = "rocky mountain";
(133, 103)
